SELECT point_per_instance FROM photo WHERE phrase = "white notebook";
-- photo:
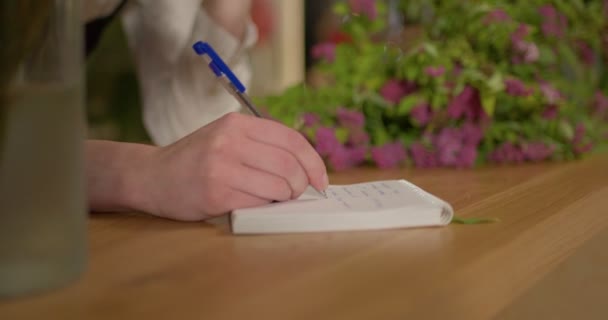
(365, 206)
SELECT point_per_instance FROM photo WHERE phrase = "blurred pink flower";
(585, 52)
(472, 134)
(496, 16)
(350, 118)
(448, 144)
(580, 144)
(367, 7)
(344, 158)
(467, 103)
(422, 114)
(516, 88)
(459, 103)
(524, 51)
(310, 119)
(358, 137)
(326, 141)
(600, 102)
(547, 11)
(389, 155)
(468, 155)
(579, 133)
(529, 151)
(551, 94)
(550, 112)
(434, 71)
(554, 23)
(357, 154)
(422, 157)
(457, 69)
(457, 147)
(339, 159)
(324, 50)
(507, 153)
(530, 52)
(394, 90)
(537, 151)
(520, 33)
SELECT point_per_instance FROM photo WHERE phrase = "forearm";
(115, 175)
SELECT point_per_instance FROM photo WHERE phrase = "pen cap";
(217, 64)
(199, 48)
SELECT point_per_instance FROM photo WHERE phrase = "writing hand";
(234, 162)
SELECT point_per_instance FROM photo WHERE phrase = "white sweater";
(179, 92)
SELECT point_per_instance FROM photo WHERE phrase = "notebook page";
(370, 196)
(376, 195)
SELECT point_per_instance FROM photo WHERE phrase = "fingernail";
(325, 180)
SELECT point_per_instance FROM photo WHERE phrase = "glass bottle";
(42, 131)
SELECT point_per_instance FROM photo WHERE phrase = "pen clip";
(217, 64)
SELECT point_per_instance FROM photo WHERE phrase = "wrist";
(138, 179)
(117, 174)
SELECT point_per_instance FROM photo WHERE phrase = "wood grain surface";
(546, 259)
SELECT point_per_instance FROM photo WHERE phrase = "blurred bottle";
(42, 132)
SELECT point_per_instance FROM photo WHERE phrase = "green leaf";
(566, 130)
(459, 86)
(408, 138)
(431, 49)
(376, 99)
(459, 220)
(407, 104)
(511, 136)
(411, 72)
(488, 102)
(374, 82)
(496, 82)
(437, 101)
(342, 134)
(380, 136)
(341, 8)
(309, 133)
(546, 55)
(473, 75)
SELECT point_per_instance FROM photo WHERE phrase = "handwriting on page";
(367, 190)
(366, 196)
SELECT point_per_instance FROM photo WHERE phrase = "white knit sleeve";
(179, 92)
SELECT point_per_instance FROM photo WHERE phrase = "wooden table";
(546, 259)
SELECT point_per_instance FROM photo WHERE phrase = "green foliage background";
(113, 102)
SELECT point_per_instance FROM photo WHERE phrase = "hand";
(234, 162)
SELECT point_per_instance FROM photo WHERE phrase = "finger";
(258, 183)
(224, 199)
(276, 134)
(276, 161)
(239, 200)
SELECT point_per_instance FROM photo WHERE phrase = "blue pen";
(225, 75)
